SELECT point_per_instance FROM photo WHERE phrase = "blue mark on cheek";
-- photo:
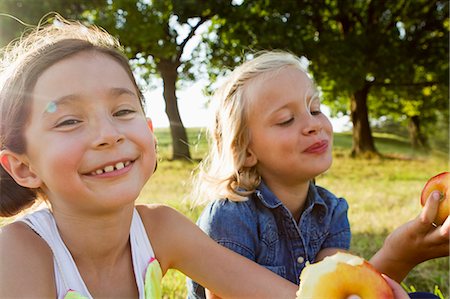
(51, 107)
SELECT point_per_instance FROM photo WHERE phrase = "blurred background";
(382, 67)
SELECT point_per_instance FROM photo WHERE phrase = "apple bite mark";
(341, 275)
(440, 183)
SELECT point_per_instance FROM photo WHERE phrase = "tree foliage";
(154, 33)
(20, 15)
(360, 51)
(383, 59)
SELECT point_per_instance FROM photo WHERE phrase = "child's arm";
(413, 243)
(26, 264)
(180, 244)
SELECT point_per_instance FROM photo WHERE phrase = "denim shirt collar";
(271, 201)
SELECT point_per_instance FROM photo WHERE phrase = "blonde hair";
(21, 64)
(222, 173)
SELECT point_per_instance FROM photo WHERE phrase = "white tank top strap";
(67, 276)
(141, 250)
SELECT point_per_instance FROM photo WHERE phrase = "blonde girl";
(269, 140)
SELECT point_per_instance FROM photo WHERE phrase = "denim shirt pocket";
(269, 247)
(317, 238)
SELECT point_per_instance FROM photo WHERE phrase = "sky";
(195, 113)
(191, 100)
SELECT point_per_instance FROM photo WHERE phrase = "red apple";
(341, 275)
(439, 183)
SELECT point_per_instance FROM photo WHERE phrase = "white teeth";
(110, 168)
(120, 165)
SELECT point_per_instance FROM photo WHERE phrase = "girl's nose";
(107, 134)
(312, 125)
(109, 141)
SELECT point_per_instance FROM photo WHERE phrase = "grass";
(382, 193)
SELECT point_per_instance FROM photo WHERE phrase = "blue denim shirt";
(263, 230)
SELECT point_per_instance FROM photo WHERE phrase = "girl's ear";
(251, 159)
(150, 124)
(19, 170)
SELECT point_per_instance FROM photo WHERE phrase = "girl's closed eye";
(316, 111)
(314, 107)
(286, 122)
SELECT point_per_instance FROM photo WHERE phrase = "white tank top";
(67, 276)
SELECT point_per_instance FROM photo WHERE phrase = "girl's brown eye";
(68, 122)
(124, 112)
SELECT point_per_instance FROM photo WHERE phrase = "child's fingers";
(429, 211)
(438, 243)
(444, 230)
(440, 234)
(399, 292)
(438, 239)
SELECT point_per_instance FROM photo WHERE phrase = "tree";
(155, 34)
(421, 107)
(16, 16)
(421, 94)
(353, 46)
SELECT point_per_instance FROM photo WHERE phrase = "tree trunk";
(418, 139)
(180, 144)
(363, 144)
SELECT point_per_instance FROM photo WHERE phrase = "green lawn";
(382, 194)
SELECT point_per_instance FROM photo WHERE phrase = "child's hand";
(420, 240)
(399, 292)
(414, 242)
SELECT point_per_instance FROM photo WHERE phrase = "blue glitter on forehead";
(51, 107)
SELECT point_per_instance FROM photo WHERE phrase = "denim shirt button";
(300, 259)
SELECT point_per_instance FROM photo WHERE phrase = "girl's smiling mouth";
(318, 147)
(116, 168)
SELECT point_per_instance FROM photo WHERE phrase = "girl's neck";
(100, 247)
(104, 238)
(292, 196)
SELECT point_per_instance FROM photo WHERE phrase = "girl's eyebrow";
(52, 106)
(313, 97)
(117, 91)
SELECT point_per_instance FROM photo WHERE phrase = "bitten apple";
(341, 275)
(439, 183)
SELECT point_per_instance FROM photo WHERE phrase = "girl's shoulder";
(243, 209)
(20, 239)
(25, 256)
(155, 214)
(164, 226)
(329, 197)
(222, 212)
(160, 219)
